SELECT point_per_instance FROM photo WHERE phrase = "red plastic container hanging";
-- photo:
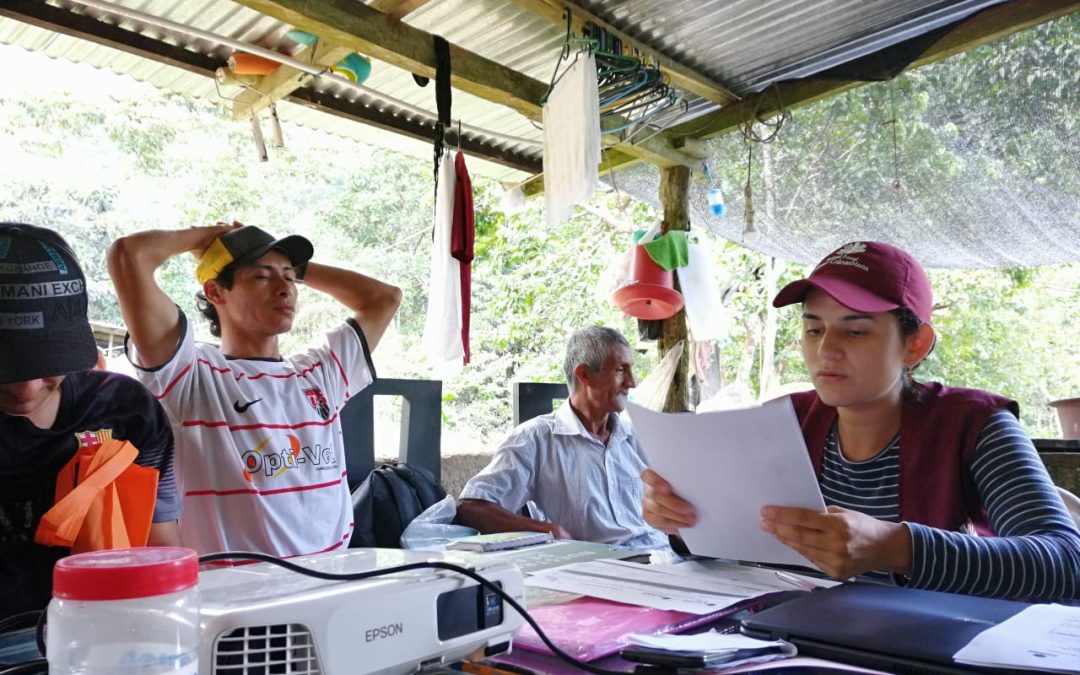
(651, 292)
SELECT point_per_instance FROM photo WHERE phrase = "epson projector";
(262, 619)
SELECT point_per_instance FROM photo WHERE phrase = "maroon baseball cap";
(867, 276)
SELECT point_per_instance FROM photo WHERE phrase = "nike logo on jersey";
(243, 408)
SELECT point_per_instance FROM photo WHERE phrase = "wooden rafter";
(991, 24)
(678, 74)
(84, 27)
(404, 46)
(658, 148)
(352, 24)
(285, 80)
(397, 9)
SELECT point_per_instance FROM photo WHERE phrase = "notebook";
(498, 541)
(898, 630)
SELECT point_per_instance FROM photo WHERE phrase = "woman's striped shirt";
(1036, 551)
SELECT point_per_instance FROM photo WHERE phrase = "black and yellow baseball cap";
(247, 244)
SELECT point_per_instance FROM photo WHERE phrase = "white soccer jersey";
(259, 455)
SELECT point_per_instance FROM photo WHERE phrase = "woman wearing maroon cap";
(911, 472)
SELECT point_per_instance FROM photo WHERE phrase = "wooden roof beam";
(285, 80)
(610, 160)
(658, 148)
(679, 75)
(655, 148)
(84, 27)
(349, 23)
(397, 9)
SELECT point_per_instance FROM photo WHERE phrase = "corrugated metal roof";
(742, 44)
(749, 44)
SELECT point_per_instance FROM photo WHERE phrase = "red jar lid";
(125, 573)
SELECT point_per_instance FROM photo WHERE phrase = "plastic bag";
(705, 314)
(731, 397)
(652, 391)
(432, 529)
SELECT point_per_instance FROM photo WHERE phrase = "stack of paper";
(704, 650)
(696, 587)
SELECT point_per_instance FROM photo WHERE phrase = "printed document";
(1041, 637)
(729, 464)
(695, 587)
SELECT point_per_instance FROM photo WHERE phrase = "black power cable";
(356, 576)
(18, 621)
(35, 667)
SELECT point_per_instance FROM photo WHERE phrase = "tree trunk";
(675, 199)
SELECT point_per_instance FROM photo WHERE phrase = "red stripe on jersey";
(339, 544)
(252, 491)
(245, 427)
(258, 376)
(172, 384)
(344, 538)
(342, 371)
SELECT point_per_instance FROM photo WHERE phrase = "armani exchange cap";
(44, 330)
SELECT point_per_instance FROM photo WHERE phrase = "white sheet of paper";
(684, 587)
(709, 641)
(1041, 637)
(621, 590)
(729, 464)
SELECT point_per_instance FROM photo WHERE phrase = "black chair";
(421, 426)
(532, 399)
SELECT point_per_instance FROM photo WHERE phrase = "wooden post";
(675, 199)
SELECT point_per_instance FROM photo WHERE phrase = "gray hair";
(590, 346)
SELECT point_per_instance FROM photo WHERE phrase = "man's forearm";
(150, 249)
(489, 517)
(150, 315)
(372, 302)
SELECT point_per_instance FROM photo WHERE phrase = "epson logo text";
(383, 632)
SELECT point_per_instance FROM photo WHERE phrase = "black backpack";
(388, 500)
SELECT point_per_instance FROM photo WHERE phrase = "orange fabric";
(103, 501)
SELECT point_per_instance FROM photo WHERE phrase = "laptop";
(898, 630)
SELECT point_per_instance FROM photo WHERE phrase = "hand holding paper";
(728, 465)
(841, 543)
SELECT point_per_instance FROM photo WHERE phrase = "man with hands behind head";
(259, 452)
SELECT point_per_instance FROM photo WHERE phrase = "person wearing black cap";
(259, 455)
(54, 403)
(930, 486)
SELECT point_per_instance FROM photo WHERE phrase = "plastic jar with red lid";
(125, 612)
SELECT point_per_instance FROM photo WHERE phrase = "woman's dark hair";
(909, 325)
(207, 309)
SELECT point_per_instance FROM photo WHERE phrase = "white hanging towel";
(571, 140)
(442, 326)
(701, 293)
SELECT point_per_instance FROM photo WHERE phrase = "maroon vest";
(939, 427)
